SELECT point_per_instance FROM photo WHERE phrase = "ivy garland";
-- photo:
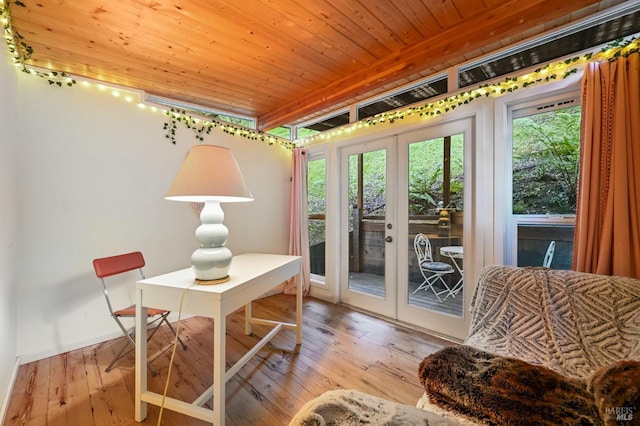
(621, 48)
(614, 50)
(202, 127)
(22, 52)
(611, 52)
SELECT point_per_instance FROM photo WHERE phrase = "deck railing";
(367, 243)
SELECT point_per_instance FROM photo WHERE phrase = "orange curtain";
(607, 235)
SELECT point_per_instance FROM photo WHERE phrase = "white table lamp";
(210, 175)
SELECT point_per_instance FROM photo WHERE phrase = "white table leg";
(247, 318)
(141, 358)
(219, 369)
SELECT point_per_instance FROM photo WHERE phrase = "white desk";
(251, 275)
(454, 252)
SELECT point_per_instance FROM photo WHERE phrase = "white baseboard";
(7, 396)
(60, 349)
(322, 292)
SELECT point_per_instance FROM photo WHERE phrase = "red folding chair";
(115, 265)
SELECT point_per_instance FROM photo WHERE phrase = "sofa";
(545, 347)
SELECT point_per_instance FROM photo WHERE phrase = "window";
(552, 46)
(331, 122)
(281, 132)
(245, 122)
(544, 171)
(316, 201)
(545, 159)
(204, 112)
(429, 89)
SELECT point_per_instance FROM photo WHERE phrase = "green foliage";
(22, 52)
(303, 132)
(420, 189)
(426, 165)
(425, 181)
(374, 169)
(545, 171)
(316, 186)
(545, 162)
(281, 132)
(199, 127)
(316, 198)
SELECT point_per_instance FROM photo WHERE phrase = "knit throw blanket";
(346, 407)
(571, 322)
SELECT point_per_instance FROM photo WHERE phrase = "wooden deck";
(374, 284)
(341, 348)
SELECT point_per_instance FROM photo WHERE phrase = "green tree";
(426, 165)
(545, 162)
(316, 198)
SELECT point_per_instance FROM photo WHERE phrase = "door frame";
(387, 305)
(439, 323)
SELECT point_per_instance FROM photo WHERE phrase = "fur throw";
(616, 389)
(495, 390)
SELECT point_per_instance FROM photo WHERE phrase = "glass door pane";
(368, 234)
(435, 211)
(367, 204)
(317, 202)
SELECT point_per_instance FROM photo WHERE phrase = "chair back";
(549, 256)
(422, 246)
(114, 265)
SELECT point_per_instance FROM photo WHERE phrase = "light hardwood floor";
(341, 348)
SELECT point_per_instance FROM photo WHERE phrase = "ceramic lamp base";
(212, 260)
(212, 282)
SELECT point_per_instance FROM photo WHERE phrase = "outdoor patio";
(374, 285)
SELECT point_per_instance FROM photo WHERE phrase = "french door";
(435, 199)
(368, 228)
(393, 189)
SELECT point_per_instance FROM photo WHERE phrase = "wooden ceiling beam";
(506, 20)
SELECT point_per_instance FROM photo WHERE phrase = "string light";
(545, 74)
(540, 76)
(200, 128)
(16, 46)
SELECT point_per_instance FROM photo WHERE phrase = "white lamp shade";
(209, 173)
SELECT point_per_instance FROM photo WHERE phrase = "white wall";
(93, 171)
(8, 218)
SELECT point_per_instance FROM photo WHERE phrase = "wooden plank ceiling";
(282, 61)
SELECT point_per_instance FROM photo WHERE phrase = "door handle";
(388, 239)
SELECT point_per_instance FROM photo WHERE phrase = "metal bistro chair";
(114, 265)
(549, 256)
(431, 271)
